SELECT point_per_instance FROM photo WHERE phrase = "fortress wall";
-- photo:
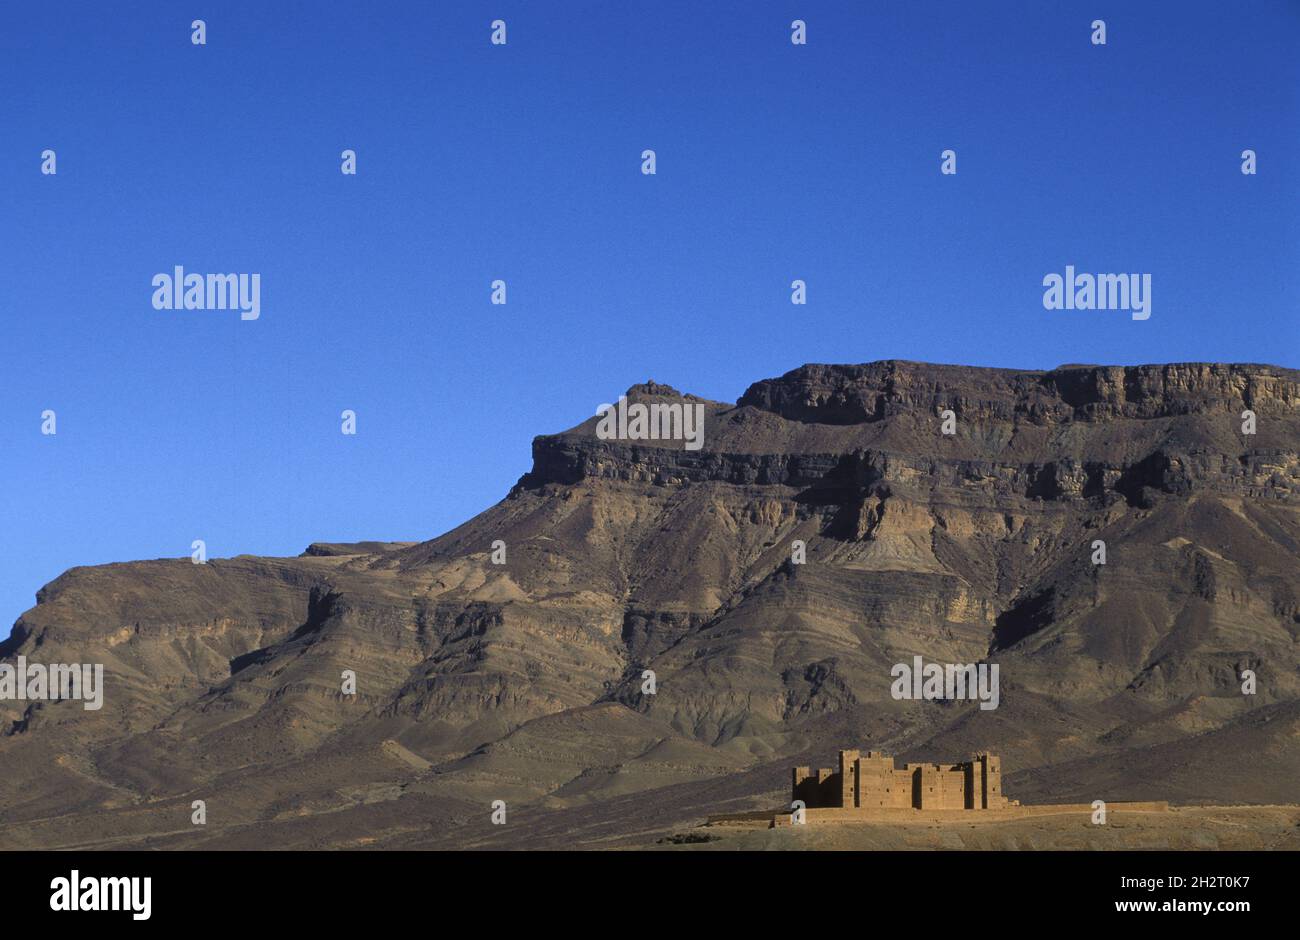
(992, 769)
(848, 782)
(820, 788)
(836, 816)
(942, 787)
(880, 785)
(1048, 809)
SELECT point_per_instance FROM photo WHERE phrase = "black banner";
(146, 890)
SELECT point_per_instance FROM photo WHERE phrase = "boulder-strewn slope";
(523, 681)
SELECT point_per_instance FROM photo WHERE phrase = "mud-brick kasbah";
(869, 786)
(871, 781)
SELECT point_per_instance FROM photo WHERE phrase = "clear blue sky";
(522, 162)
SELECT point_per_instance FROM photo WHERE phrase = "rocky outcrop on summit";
(525, 678)
(1074, 432)
(873, 392)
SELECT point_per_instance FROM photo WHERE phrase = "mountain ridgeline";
(527, 681)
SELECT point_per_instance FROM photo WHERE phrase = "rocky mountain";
(525, 681)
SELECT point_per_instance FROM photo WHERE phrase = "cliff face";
(1081, 425)
(524, 681)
